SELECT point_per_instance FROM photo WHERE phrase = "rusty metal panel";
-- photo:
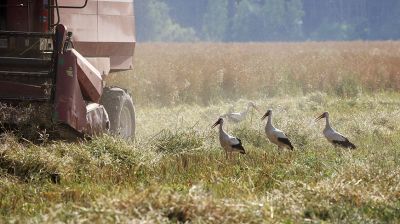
(83, 27)
(116, 21)
(120, 54)
(112, 20)
(21, 91)
(25, 15)
(101, 63)
(70, 108)
(89, 78)
(104, 29)
(81, 22)
(90, 9)
(104, 49)
(17, 16)
(119, 7)
(115, 28)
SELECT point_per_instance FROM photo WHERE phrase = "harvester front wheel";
(121, 112)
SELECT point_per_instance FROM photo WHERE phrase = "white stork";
(333, 136)
(228, 143)
(275, 135)
(240, 116)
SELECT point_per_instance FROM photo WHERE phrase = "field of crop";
(175, 171)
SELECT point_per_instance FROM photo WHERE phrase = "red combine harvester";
(54, 58)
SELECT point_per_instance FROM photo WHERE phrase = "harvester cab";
(55, 56)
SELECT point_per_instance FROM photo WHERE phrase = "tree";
(267, 20)
(273, 20)
(294, 14)
(155, 24)
(273, 16)
(188, 13)
(246, 23)
(215, 21)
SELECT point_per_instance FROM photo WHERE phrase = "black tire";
(121, 111)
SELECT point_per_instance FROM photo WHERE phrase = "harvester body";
(54, 57)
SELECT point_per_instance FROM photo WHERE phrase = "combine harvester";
(54, 58)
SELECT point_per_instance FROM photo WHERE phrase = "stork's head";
(268, 113)
(323, 115)
(219, 121)
(252, 104)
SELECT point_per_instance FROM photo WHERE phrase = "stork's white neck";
(327, 124)
(221, 128)
(269, 122)
(221, 131)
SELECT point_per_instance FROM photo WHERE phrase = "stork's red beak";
(320, 117)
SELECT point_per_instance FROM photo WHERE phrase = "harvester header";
(54, 58)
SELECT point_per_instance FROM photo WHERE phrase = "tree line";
(267, 20)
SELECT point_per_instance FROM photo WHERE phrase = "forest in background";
(266, 20)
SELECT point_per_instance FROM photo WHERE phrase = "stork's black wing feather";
(344, 144)
(287, 142)
(239, 146)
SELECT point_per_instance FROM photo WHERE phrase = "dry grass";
(175, 170)
(205, 73)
